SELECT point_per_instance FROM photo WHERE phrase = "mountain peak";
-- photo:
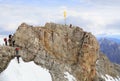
(58, 48)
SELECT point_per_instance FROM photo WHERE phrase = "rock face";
(104, 66)
(57, 48)
(6, 54)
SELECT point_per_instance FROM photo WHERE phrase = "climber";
(5, 40)
(10, 40)
(13, 43)
(17, 54)
(70, 25)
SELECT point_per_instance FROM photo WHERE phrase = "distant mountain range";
(111, 47)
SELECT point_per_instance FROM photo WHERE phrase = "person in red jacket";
(5, 40)
(17, 54)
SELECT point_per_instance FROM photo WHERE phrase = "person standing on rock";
(17, 54)
(13, 42)
(70, 25)
(5, 40)
(10, 40)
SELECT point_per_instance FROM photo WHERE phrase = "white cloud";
(101, 2)
(11, 16)
(96, 17)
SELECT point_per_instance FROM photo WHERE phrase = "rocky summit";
(60, 49)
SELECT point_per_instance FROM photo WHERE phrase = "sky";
(96, 16)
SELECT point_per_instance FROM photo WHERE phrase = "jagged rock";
(6, 54)
(57, 48)
(104, 66)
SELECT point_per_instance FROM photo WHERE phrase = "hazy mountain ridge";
(110, 47)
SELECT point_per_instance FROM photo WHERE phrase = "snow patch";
(69, 77)
(24, 72)
(110, 78)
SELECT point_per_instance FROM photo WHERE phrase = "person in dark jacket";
(10, 40)
(17, 54)
(13, 43)
(70, 25)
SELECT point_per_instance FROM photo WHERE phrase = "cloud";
(11, 16)
(113, 27)
(91, 15)
(101, 2)
(93, 20)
